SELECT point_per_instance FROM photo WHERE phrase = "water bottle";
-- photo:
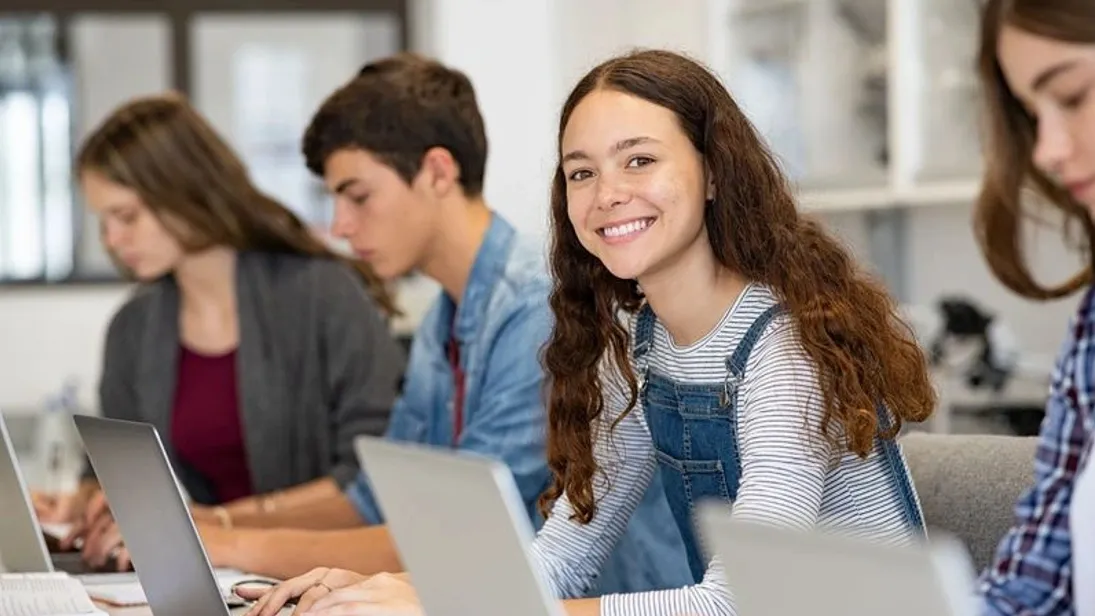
(55, 441)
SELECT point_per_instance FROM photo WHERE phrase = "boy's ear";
(439, 171)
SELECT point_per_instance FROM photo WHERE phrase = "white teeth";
(627, 228)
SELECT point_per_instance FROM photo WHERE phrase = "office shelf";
(928, 194)
(869, 104)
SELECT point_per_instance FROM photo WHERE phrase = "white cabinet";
(867, 103)
(939, 90)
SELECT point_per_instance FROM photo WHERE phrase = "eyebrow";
(118, 209)
(344, 184)
(1051, 73)
(620, 146)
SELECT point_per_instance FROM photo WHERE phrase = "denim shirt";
(501, 326)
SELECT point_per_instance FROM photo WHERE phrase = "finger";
(96, 506)
(290, 589)
(260, 600)
(107, 542)
(253, 593)
(123, 559)
(341, 578)
(102, 524)
(308, 599)
(103, 515)
(359, 594)
(91, 535)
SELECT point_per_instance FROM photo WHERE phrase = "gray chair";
(969, 483)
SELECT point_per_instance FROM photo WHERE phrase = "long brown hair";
(847, 323)
(164, 150)
(1011, 134)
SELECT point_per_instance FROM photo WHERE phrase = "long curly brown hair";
(1003, 206)
(847, 322)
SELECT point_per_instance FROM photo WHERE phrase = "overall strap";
(735, 364)
(644, 334)
(891, 456)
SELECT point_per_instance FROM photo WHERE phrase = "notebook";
(44, 594)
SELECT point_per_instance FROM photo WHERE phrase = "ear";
(439, 172)
(710, 190)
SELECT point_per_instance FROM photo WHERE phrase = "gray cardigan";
(316, 367)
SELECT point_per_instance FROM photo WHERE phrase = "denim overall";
(694, 430)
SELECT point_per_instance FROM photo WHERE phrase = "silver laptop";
(149, 508)
(23, 546)
(836, 575)
(461, 528)
(22, 543)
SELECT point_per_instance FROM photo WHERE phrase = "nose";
(113, 235)
(342, 223)
(611, 191)
(1053, 145)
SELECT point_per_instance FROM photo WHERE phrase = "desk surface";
(126, 611)
(145, 611)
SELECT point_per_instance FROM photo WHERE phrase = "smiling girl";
(756, 365)
(753, 363)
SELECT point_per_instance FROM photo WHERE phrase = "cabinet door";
(812, 76)
(940, 90)
(259, 79)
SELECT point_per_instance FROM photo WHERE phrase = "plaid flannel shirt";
(1032, 574)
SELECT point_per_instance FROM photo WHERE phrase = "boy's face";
(387, 222)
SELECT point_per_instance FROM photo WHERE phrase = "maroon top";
(206, 428)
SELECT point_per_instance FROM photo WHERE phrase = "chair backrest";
(969, 483)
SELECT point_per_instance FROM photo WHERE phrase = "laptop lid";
(836, 575)
(148, 506)
(461, 529)
(22, 544)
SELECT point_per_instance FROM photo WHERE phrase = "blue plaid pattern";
(1032, 574)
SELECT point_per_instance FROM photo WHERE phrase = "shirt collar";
(487, 269)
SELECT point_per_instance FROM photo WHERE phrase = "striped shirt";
(790, 475)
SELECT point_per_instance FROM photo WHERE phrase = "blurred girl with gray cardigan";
(256, 352)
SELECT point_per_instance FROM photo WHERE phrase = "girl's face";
(636, 187)
(130, 230)
(1055, 81)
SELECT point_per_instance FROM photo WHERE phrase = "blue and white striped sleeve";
(571, 554)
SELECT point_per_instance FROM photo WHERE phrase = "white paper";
(43, 594)
(1082, 526)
